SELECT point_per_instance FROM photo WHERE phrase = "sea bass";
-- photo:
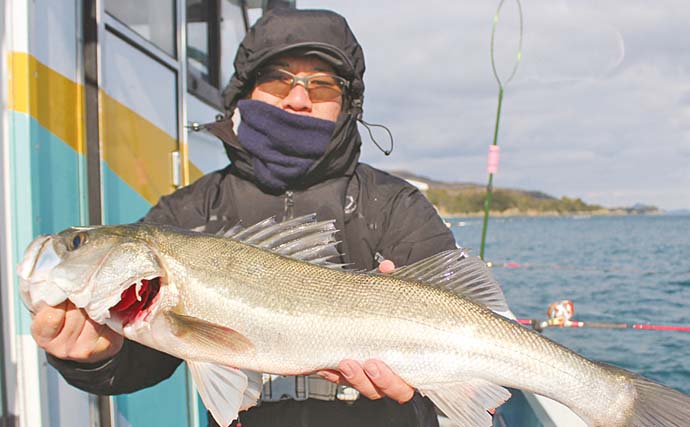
(262, 299)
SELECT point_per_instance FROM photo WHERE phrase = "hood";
(320, 33)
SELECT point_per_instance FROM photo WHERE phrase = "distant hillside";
(467, 199)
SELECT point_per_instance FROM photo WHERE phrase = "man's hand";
(66, 332)
(374, 379)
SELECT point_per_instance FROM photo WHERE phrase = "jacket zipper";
(289, 205)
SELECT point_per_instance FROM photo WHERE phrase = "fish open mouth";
(136, 300)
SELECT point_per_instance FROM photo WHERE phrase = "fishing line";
(492, 162)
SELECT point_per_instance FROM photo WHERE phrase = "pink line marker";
(492, 161)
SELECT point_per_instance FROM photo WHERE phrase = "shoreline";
(533, 213)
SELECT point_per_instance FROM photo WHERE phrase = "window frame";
(209, 91)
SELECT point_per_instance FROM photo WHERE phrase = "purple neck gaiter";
(283, 145)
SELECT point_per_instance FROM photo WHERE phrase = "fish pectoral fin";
(467, 402)
(225, 390)
(207, 335)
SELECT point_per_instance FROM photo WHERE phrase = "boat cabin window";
(153, 19)
(202, 40)
(214, 31)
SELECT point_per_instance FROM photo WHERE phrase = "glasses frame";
(302, 80)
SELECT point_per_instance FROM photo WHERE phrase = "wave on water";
(615, 269)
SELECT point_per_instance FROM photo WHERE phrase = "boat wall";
(143, 107)
(42, 170)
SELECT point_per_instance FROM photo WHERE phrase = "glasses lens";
(321, 87)
(274, 82)
(324, 88)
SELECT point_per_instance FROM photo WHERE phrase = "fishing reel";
(560, 312)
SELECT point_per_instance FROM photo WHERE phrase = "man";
(299, 89)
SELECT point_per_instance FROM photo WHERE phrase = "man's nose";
(298, 99)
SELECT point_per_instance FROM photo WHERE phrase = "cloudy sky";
(599, 107)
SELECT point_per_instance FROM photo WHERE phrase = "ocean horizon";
(619, 269)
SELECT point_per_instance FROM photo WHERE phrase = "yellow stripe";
(136, 150)
(55, 101)
(194, 172)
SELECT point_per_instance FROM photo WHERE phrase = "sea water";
(623, 269)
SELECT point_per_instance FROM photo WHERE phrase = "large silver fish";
(263, 300)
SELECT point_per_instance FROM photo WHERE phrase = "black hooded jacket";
(376, 212)
(319, 33)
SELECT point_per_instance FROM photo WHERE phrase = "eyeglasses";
(320, 87)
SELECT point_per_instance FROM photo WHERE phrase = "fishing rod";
(512, 265)
(492, 162)
(560, 316)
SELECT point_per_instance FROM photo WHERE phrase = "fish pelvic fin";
(456, 271)
(208, 336)
(466, 403)
(657, 405)
(225, 390)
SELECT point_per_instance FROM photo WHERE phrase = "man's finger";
(354, 374)
(109, 342)
(47, 323)
(64, 343)
(386, 266)
(75, 320)
(387, 382)
(332, 376)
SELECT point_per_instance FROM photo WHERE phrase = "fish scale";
(225, 302)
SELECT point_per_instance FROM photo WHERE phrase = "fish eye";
(78, 240)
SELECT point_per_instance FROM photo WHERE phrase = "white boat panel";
(206, 151)
(32, 394)
(68, 406)
(17, 28)
(53, 37)
(551, 411)
(231, 33)
(140, 83)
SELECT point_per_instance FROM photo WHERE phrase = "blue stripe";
(121, 204)
(45, 191)
(162, 405)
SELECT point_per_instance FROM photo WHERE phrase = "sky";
(599, 107)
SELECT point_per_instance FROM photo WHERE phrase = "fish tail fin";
(658, 405)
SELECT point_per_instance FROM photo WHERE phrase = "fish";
(261, 299)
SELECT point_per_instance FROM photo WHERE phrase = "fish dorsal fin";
(456, 271)
(467, 402)
(225, 390)
(302, 238)
(232, 231)
(208, 336)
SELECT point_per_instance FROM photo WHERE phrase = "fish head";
(113, 272)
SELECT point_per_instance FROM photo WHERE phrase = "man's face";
(297, 100)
